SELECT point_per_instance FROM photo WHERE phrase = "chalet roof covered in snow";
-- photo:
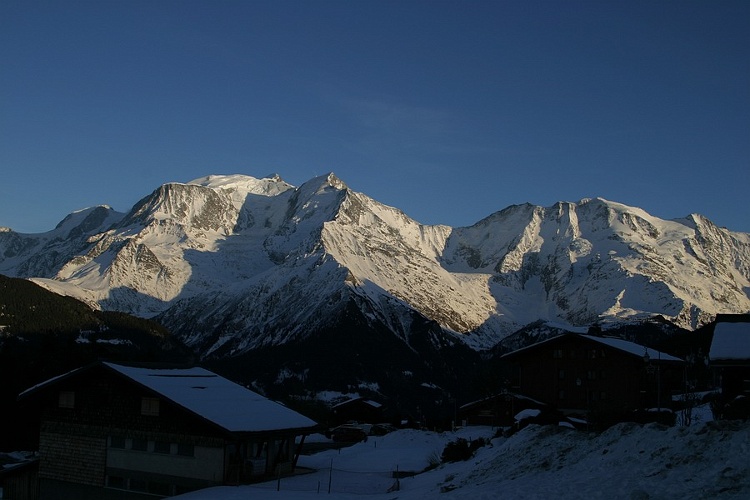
(619, 344)
(210, 396)
(217, 399)
(731, 342)
(633, 348)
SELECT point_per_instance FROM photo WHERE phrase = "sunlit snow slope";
(234, 262)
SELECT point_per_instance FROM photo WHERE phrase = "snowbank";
(708, 460)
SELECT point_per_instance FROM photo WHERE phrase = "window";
(139, 445)
(557, 353)
(560, 374)
(116, 482)
(117, 442)
(162, 447)
(561, 394)
(592, 354)
(66, 399)
(591, 375)
(150, 406)
(186, 450)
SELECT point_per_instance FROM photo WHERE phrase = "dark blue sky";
(447, 110)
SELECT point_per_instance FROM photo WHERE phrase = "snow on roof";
(619, 344)
(369, 402)
(633, 348)
(527, 413)
(217, 399)
(731, 341)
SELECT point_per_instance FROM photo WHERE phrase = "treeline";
(25, 307)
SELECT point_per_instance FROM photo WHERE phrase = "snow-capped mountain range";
(232, 263)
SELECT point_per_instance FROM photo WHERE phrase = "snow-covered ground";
(706, 460)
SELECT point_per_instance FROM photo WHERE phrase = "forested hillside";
(43, 334)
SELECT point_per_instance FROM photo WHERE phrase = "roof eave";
(592, 338)
(28, 393)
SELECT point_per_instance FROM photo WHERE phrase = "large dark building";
(576, 373)
(116, 432)
(730, 354)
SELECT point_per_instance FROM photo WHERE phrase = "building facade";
(578, 374)
(114, 432)
(729, 358)
(360, 410)
(497, 410)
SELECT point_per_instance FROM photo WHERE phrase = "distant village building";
(116, 432)
(729, 356)
(578, 374)
(497, 410)
(360, 410)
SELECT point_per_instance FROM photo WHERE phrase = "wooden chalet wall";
(576, 374)
(70, 453)
(106, 400)
(74, 441)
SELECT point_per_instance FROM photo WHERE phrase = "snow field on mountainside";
(381, 245)
(220, 242)
(706, 460)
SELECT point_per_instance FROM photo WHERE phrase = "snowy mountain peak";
(271, 185)
(44, 254)
(88, 219)
(232, 262)
(335, 182)
(323, 183)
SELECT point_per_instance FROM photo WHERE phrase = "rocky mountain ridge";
(234, 263)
